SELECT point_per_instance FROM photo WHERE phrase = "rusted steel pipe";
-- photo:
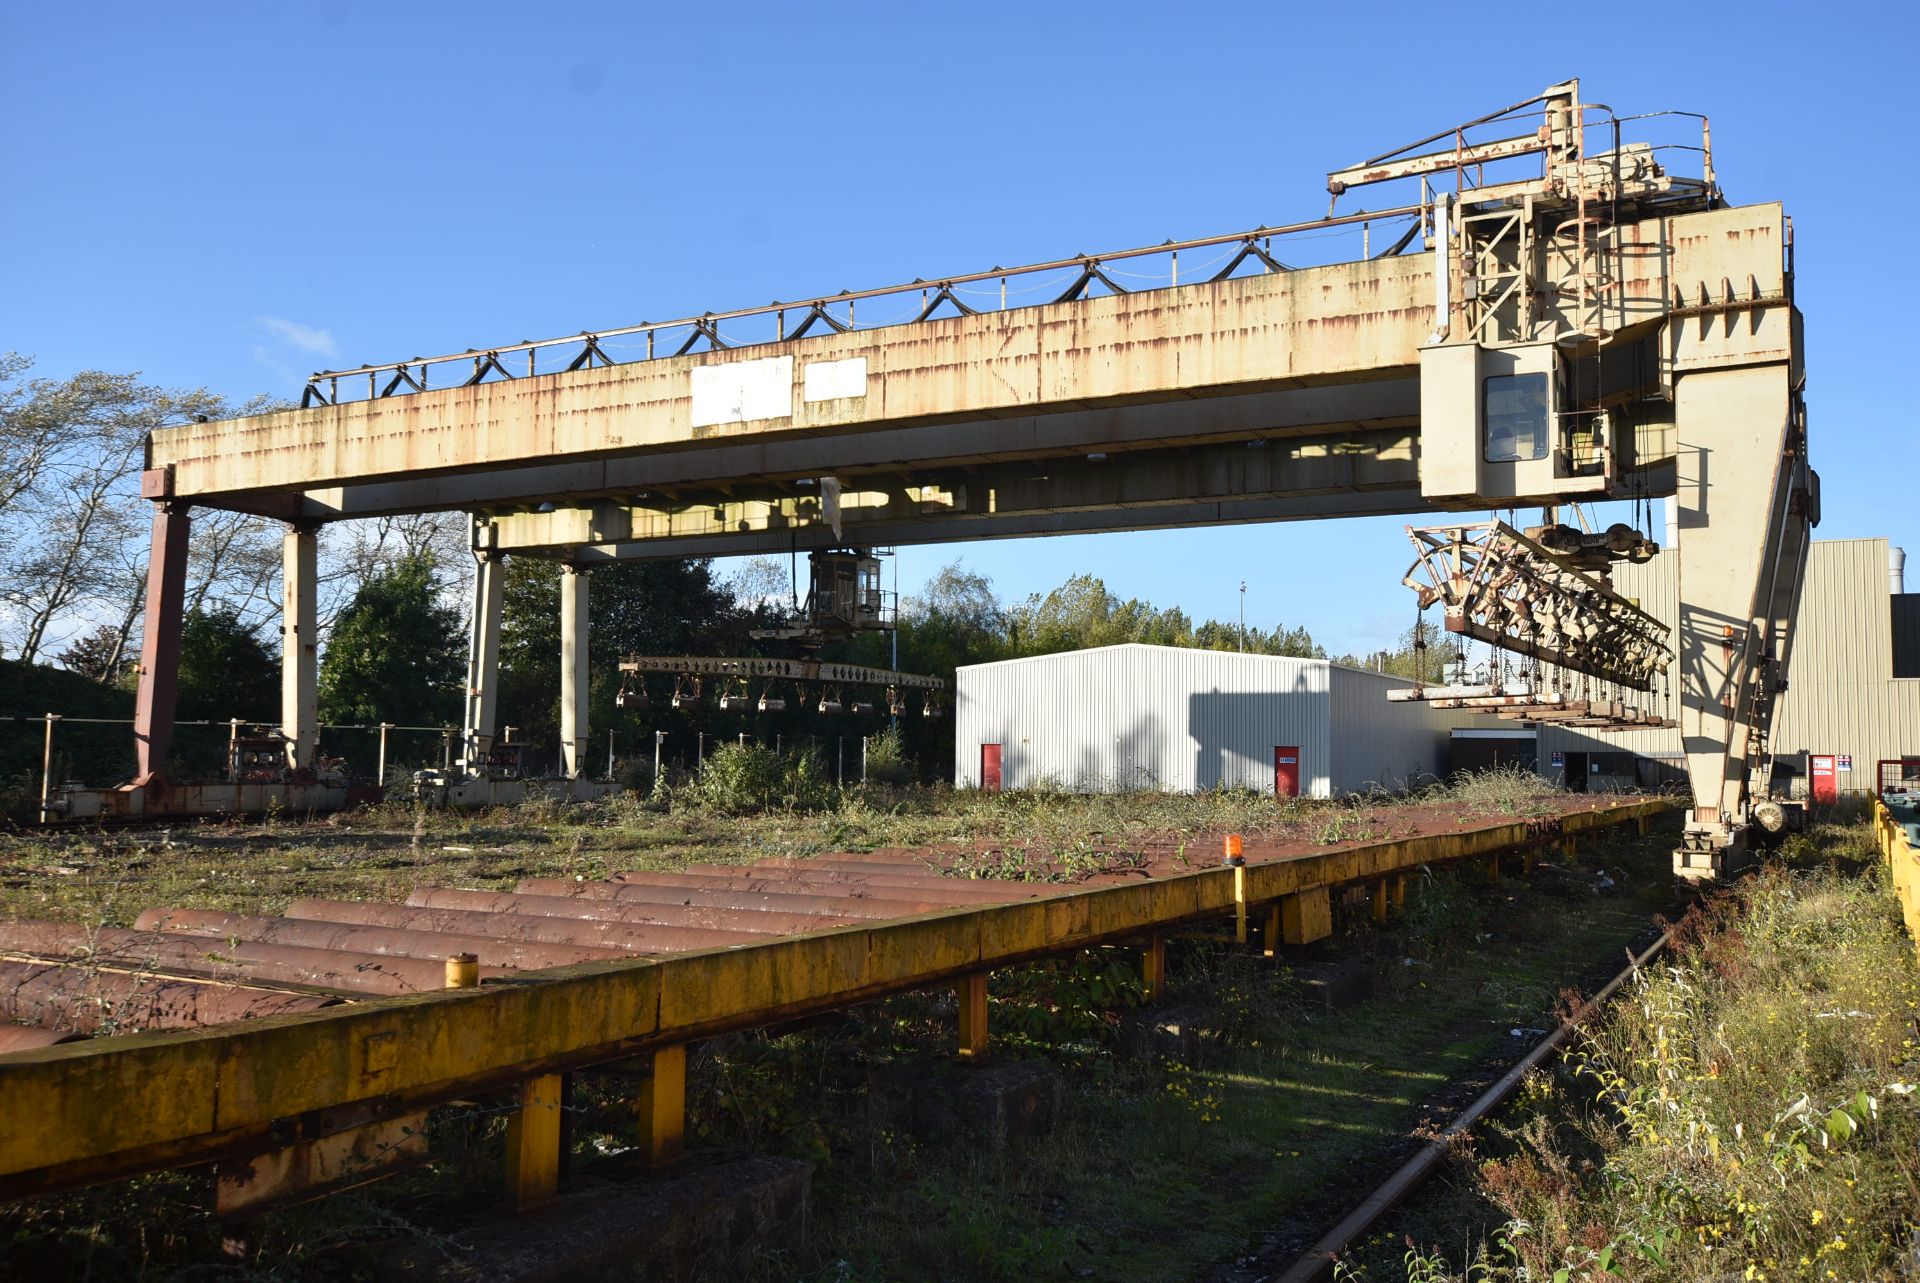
(843, 905)
(1037, 862)
(27, 1037)
(701, 917)
(834, 882)
(361, 938)
(927, 862)
(223, 959)
(922, 868)
(86, 999)
(629, 937)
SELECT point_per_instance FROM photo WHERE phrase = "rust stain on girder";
(1161, 345)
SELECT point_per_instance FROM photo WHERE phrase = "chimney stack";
(1896, 570)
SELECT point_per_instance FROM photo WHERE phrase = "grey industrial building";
(1853, 693)
(1135, 716)
(1173, 718)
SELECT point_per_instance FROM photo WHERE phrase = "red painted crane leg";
(160, 645)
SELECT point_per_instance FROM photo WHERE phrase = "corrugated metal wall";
(1376, 741)
(1134, 716)
(1172, 718)
(1842, 697)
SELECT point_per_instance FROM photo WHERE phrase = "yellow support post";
(533, 1144)
(1400, 894)
(1233, 851)
(973, 1016)
(1493, 868)
(1379, 896)
(1239, 904)
(663, 1107)
(1270, 938)
(1646, 824)
(1153, 967)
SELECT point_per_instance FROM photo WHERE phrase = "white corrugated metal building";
(1178, 719)
(1853, 681)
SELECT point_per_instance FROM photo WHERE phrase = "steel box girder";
(1286, 467)
(1339, 323)
(91, 1112)
(747, 460)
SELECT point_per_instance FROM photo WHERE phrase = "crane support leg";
(483, 660)
(300, 648)
(1745, 504)
(574, 675)
(153, 708)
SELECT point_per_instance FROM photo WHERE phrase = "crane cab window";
(1514, 410)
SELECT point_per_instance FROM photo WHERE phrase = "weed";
(1746, 1109)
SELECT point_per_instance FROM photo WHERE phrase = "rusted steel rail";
(247, 1095)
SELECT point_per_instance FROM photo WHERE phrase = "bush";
(1745, 1110)
(1501, 790)
(738, 779)
(887, 760)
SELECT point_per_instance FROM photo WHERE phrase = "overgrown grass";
(753, 803)
(1746, 1110)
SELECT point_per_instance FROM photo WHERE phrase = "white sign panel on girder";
(742, 390)
(835, 380)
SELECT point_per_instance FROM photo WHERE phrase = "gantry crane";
(1555, 314)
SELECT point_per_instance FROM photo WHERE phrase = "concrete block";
(1165, 1033)
(993, 1103)
(708, 1219)
(1306, 916)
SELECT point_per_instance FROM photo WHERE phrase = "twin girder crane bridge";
(1552, 316)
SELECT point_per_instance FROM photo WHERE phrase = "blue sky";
(232, 195)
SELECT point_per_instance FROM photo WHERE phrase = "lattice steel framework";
(1500, 587)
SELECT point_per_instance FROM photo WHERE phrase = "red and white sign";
(1826, 783)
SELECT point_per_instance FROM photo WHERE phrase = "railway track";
(330, 1028)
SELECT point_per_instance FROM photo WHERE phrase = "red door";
(1286, 771)
(1826, 782)
(990, 767)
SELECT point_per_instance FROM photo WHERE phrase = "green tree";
(647, 607)
(99, 654)
(396, 653)
(1422, 653)
(226, 670)
(73, 525)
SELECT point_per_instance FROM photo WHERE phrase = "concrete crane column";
(153, 708)
(574, 674)
(483, 659)
(300, 646)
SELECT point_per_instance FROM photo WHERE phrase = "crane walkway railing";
(921, 300)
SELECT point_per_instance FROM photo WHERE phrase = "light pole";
(1243, 616)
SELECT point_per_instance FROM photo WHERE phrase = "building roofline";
(1231, 655)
